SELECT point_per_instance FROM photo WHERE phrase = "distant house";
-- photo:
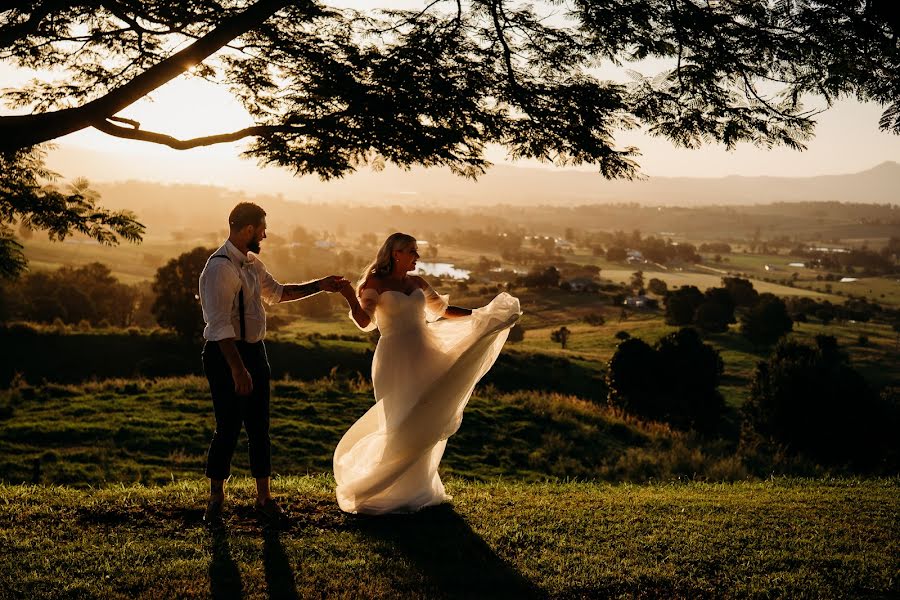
(325, 244)
(641, 301)
(635, 256)
(771, 268)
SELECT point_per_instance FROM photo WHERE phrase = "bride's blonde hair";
(384, 259)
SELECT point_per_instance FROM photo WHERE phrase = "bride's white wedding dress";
(423, 372)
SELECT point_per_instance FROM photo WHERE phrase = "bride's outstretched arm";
(357, 312)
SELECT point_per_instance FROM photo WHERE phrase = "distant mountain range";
(503, 184)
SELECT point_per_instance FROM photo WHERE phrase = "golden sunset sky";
(847, 140)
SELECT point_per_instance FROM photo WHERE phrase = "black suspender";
(240, 298)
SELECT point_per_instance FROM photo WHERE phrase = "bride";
(423, 372)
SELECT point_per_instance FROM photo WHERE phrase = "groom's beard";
(253, 246)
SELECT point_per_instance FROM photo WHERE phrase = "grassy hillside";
(777, 539)
(156, 432)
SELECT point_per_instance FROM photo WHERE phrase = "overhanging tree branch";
(134, 133)
(27, 130)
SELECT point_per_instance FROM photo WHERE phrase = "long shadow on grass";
(453, 559)
(279, 574)
(224, 573)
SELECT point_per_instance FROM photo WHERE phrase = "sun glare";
(185, 108)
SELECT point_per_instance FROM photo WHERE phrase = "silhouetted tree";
(30, 200)
(767, 321)
(674, 382)
(176, 285)
(682, 304)
(541, 277)
(741, 290)
(810, 400)
(825, 314)
(73, 294)
(561, 336)
(690, 375)
(632, 377)
(716, 311)
(657, 286)
(637, 281)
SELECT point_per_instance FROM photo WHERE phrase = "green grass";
(155, 432)
(775, 539)
(883, 290)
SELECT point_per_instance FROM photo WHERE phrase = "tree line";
(806, 401)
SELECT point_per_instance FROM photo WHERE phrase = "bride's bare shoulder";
(371, 283)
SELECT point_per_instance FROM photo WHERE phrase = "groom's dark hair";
(246, 213)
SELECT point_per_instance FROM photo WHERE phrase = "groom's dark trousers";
(233, 411)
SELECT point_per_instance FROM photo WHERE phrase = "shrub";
(631, 379)
(516, 334)
(825, 315)
(177, 305)
(682, 304)
(657, 286)
(811, 400)
(675, 382)
(561, 336)
(767, 321)
(716, 312)
(595, 319)
(741, 291)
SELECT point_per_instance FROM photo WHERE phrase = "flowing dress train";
(423, 373)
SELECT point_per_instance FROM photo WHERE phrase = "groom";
(233, 286)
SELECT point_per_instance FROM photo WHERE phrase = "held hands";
(347, 290)
(333, 283)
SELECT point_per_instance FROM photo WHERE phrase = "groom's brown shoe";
(213, 514)
(270, 512)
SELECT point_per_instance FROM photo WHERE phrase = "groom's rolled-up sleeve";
(218, 287)
(269, 288)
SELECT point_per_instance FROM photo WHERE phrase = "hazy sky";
(847, 140)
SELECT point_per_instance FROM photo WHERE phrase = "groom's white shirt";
(220, 282)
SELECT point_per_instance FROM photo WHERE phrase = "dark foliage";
(30, 201)
(657, 286)
(742, 293)
(73, 295)
(716, 312)
(766, 322)
(561, 336)
(540, 277)
(682, 304)
(330, 90)
(811, 400)
(177, 304)
(676, 381)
